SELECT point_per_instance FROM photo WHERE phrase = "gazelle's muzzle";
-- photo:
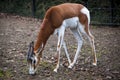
(32, 70)
(32, 63)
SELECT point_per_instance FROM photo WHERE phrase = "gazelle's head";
(33, 58)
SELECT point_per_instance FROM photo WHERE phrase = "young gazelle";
(57, 19)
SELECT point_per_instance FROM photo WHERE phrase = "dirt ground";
(17, 32)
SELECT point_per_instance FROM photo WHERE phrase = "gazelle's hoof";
(70, 66)
(95, 64)
(55, 70)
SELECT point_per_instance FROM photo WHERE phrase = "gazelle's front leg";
(60, 40)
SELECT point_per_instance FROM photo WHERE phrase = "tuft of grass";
(47, 65)
(8, 73)
(101, 52)
(5, 74)
(25, 70)
(24, 61)
(1, 73)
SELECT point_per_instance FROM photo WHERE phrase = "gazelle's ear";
(30, 50)
(32, 46)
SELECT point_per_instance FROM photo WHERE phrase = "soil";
(17, 32)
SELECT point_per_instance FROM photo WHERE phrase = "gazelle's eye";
(34, 61)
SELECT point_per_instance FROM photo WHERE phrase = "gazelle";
(57, 19)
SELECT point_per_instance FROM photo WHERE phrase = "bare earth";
(17, 32)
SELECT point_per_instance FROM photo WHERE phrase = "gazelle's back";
(57, 14)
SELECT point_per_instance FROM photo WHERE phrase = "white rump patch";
(87, 13)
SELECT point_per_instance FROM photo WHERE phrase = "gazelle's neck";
(45, 31)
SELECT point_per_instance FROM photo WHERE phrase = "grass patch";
(8, 73)
(24, 61)
(47, 65)
(5, 74)
(1, 73)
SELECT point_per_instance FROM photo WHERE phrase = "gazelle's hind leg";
(66, 52)
(80, 42)
(91, 39)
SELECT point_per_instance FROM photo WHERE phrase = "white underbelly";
(71, 22)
